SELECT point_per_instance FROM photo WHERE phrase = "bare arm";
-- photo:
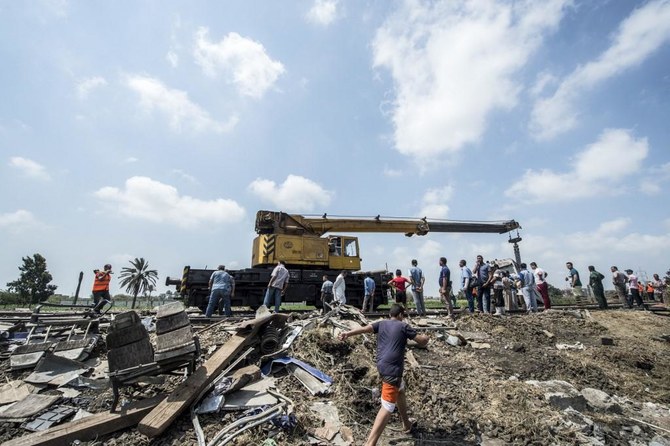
(356, 331)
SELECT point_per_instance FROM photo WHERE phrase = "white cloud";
(244, 62)
(649, 187)
(131, 160)
(596, 170)
(184, 176)
(637, 38)
(176, 106)
(296, 194)
(392, 173)
(434, 202)
(29, 168)
(322, 12)
(85, 86)
(453, 63)
(16, 221)
(146, 199)
(173, 58)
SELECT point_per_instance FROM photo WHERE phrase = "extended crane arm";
(271, 222)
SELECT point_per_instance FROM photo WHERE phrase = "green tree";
(138, 278)
(33, 284)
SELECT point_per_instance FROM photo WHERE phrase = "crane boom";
(272, 222)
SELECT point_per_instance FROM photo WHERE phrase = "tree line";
(34, 283)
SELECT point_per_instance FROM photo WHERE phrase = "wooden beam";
(89, 428)
(161, 417)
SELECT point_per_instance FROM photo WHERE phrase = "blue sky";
(157, 129)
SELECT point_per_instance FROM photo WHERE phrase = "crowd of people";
(489, 287)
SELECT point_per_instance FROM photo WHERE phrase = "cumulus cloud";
(296, 194)
(15, 221)
(453, 63)
(29, 168)
(434, 202)
(176, 106)
(637, 38)
(322, 12)
(85, 86)
(244, 62)
(145, 199)
(596, 170)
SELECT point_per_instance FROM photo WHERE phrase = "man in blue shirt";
(392, 336)
(222, 285)
(445, 285)
(527, 280)
(369, 288)
(417, 279)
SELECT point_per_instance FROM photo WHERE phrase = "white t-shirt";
(540, 275)
(338, 289)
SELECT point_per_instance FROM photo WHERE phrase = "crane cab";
(335, 252)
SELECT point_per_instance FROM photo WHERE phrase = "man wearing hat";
(634, 289)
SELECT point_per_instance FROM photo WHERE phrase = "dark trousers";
(635, 294)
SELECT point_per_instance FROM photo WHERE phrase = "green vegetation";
(138, 278)
(32, 286)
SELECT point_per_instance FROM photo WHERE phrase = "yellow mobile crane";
(310, 251)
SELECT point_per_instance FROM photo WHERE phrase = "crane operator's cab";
(335, 252)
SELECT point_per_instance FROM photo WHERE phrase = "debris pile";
(558, 377)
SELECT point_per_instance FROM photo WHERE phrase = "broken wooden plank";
(89, 428)
(184, 395)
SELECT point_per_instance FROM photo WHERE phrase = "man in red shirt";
(399, 283)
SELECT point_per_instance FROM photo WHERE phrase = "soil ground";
(465, 395)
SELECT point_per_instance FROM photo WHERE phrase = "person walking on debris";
(392, 336)
(417, 278)
(527, 284)
(369, 290)
(575, 282)
(619, 281)
(399, 283)
(541, 284)
(326, 293)
(445, 285)
(467, 284)
(101, 294)
(339, 287)
(484, 275)
(596, 283)
(659, 287)
(277, 285)
(634, 289)
(222, 286)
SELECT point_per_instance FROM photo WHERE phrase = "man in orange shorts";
(392, 336)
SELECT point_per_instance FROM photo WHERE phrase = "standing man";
(326, 294)
(634, 289)
(485, 276)
(339, 287)
(527, 280)
(399, 284)
(392, 336)
(445, 285)
(222, 286)
(596, 283)
(417, 279)
(659, 287)
(101, 288)
(573, 278)
(541, 284)
(369, 289)
(277, 285)
(619, 281)
(466, 279)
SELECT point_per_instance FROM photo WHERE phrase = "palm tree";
(138, 278)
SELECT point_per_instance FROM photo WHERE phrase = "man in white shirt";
(339, 287)
(277, 285)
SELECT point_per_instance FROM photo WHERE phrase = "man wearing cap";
(101, 288)
(392, 336)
